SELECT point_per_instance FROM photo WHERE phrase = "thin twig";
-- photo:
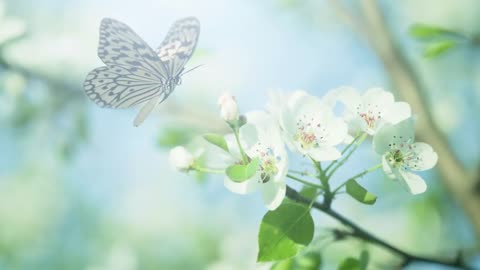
(304, 182)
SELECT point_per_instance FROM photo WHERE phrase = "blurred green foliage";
(437, 48)
(439, 40)
(48, 221)
(355, 264)
(173, 136)
(305, 261)
(217, 140)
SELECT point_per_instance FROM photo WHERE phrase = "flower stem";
(355, 144)
(317, 165)
(371, 169)
(304, 182)
(302, 173)
(208, 170)
(237, 138)
(344, 151)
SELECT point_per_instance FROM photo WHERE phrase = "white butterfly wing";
(121, 87)
(179, 45)
(134, 73)
(120, 45)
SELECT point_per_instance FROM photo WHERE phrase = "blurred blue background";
(81, 188)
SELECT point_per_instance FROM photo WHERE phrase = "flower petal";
(426, 157)
(233, 146)
(297, 97)
(357, 124)
(325, 154)
(245, 187)
(282, 165)
(273, 194)
(414, 183)
(337, 132)
(349, 96)
(387, 168)
(302, 103)
(248, 135)
(397, 135)
(399, 111)
(378, 96)
(266, 127)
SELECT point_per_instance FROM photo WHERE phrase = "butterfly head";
(178, 80)
(171, 83)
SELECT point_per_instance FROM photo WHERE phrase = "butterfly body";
(135, 73)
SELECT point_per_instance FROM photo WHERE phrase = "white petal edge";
(273, 194)
(232, 146)
(398, 112)
(427, 155)
(343, 94)
(390, 134)
(387, 168)
(248, 136)
(339, 131)
(413, 182)
(378, 96)
(242, 188)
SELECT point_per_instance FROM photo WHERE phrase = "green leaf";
(426, 31)
(355, 264)
(359, 193)
(284, 232)
(308, 192)
(217, 140)
(364, 258)
(350, 264)
(437, 48)
(240, 172)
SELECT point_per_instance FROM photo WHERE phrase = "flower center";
(370, 114)
(308, 129)
(268, 161)
(396, 158)
(402, 153)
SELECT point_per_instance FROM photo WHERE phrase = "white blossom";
(402, 156)
(181, 159)
(370, 111)
(308, 125)
(260, 138)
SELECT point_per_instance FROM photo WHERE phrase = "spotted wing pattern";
(179, 45)
(134, 73)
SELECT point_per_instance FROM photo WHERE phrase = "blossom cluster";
(256, 151)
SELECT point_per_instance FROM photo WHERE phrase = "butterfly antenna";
(183, 73)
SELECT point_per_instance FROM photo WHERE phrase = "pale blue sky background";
(118, 201)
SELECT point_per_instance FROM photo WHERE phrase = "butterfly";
(136, 74)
